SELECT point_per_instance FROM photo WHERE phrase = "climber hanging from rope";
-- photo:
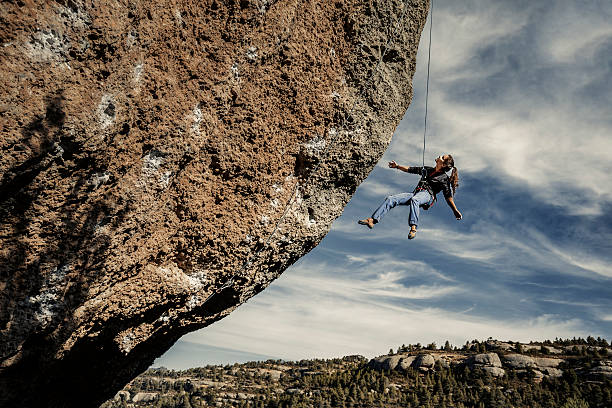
(433, 180)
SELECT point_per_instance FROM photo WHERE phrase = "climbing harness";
(229, 283)
(423, 185)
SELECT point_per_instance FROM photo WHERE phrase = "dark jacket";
(435, 184)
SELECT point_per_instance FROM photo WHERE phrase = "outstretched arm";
(394, 165)
(451, 203)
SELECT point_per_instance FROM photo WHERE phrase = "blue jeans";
(413, 200)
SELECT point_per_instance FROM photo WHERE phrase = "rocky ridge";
(163, 162)
(492, 372)
(497, 364)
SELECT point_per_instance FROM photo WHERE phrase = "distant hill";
(573, 373)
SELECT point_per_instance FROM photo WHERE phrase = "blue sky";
(521, 96)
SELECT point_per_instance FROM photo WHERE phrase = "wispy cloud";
(559, 41)
(462, 29)
(323, 325)
(566, 302)
(486, 243)
(570, 256)
(508, 95)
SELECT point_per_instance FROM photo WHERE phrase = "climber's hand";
(393, 164)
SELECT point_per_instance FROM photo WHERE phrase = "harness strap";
(423, 185)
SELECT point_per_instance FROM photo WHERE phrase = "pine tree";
(575, 403)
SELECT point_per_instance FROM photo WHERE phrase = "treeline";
(443, 388)
(583, 346)
(337, 383)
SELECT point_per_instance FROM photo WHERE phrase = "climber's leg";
(390, 202)
(419, 198)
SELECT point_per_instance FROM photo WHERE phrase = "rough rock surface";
(424, 361)
(164, 161)
(488, 362)
(406, 362)
(548, 362)
(539, 366)
(488, 359)
(519, 361)
(391, 362)
(494, 371)
(145, 397)
(541, 363)
(552, 372)
(444, 360)
(604, 369)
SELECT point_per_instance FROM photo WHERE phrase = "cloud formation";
(508, 94)
(307, 314)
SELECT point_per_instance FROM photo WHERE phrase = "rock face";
(406, 362)
(519, 361)
(603, 370)
(488, 359)
(488, 362)
(402, 361)
(547, 362)
(162, 162)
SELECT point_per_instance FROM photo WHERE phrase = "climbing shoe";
(365, 222)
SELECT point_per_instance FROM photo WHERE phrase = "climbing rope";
(254, 255)
(427, 88)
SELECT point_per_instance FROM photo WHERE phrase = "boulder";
(443, 360)
(144, 397)
(390, 362)
(275, 374)
(406, 362)
(602, 370)
(489, 359)
(424, 361)
(271, 374)
(519, 361)
(552, 372)
(494, 371)
(294, 391)
(164, 161)
(547, 362)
